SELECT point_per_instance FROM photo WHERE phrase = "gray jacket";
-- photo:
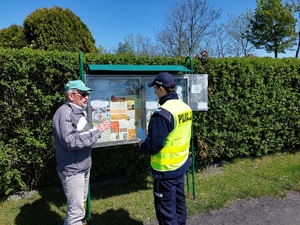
(73, 139)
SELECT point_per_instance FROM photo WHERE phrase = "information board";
(117, 100)
(128, 103)
(198, 92)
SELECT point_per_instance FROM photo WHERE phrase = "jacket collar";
(172, 95)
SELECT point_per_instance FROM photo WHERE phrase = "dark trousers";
(169, 200)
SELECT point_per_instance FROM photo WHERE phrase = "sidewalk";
(263, 211)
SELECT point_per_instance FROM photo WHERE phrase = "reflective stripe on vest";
(176, 149)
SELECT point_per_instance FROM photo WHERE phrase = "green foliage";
(253, 108)
(12, 37)
(31, 86)
(273, 26)
(10, 178)
(58, 29)
(253, 111)
(124, 48)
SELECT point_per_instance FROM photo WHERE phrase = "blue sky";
(111, 21)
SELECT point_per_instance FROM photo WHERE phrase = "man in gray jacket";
(73, 139)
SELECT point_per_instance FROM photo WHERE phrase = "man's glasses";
(83, 94)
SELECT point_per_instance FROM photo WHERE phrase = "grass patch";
(132, 203)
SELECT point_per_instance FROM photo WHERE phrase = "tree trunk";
(298, 47)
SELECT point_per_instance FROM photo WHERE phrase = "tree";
(127, 46)
(12, 37)
(218, 42)
(236, 27)
(101, 50)
(185, 27)
(296, 7)
(124, 48)
(144, 46)
(58, 29)
(138, 45)
(272, 27)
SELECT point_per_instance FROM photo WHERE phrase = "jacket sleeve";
(71, 134)
(76, 140)
(160, 125)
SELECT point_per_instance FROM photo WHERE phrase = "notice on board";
(116, 100)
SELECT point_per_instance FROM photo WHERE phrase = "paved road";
(263, 211)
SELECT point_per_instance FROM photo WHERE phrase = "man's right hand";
(104, 126)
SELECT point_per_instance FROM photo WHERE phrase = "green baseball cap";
(76, 84)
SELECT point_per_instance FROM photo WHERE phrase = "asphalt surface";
(264, 211)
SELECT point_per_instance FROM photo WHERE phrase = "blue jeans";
(169, 199)
(76, 190)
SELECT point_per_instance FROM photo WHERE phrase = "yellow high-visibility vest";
(176, 149)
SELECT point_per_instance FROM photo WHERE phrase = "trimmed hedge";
(31, 85)
(253, 110)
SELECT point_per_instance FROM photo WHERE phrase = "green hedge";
(253, 110)
(31, 85)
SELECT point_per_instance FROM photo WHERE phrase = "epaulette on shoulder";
(164, 113)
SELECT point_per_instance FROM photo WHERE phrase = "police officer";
(168, 142)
